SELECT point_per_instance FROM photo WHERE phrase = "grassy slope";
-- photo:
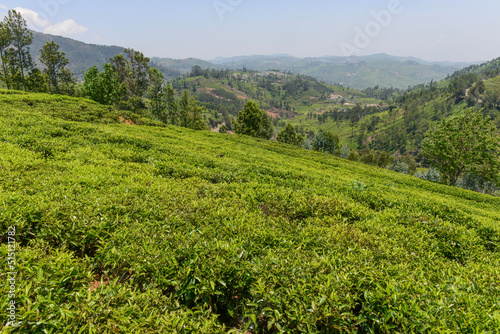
(268, 235)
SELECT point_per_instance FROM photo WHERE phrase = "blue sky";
(434, 30)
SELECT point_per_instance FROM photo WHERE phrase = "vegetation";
(289, 136)
(254, 122)
(466, 143)
(123, 228)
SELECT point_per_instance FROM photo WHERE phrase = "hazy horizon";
(431, 30)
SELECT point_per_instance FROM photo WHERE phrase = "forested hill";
(356, 72)
(283, 95)
(82, 56)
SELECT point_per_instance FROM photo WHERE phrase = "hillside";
(82, 56)
(286, 97)
(410, 113)
(123, 228)
(356, 72)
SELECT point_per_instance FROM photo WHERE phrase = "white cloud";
(4, 7)
(32, 17)
(65, 28)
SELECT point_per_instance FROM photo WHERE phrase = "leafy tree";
(327, 142)
(345, 152)
(171, 104)
(253, 121)
(21, 37)
(184, 109)
(103, 87)
(139, 72)
(5, 40)
(196, 115)
(55, 62)
(466, 143)
(67, 82)
(289, 136)
(37, 82)
(157, 94)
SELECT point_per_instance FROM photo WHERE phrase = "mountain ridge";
(357, 72)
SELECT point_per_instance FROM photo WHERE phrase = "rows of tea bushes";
(134, 229)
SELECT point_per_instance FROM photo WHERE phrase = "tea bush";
(123, 228)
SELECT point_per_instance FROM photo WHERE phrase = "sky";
(433, 30)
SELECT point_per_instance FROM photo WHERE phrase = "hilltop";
(128, 228)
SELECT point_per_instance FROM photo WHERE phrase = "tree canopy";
(465, 143)
(289, 136)
(253, 121)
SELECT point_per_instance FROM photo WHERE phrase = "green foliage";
(252, 121)
(17, 58)
(55, 63)
(464, 143)
(158, 95)
(431, 174)
(327, 142)
(400, 167)
(103, 87)
(141, 229)
(289, 136)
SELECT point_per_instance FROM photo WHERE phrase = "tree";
(55, 62)
(289, 136)
(157, 95)
(36, 81)
(103, 87)
(139, 72)
(196, 115)
(465, 143)
(253, 121)
(184, 109)
(172, 109)
(327, 142)
(21, 37)
(5, 40)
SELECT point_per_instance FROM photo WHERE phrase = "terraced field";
(137, 229)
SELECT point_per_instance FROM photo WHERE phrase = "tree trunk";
(5, 75)
(21, 61)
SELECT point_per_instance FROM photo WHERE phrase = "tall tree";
(157, 95)
(139, 72)
(184, 109)
(55, 61)
(5, 40)
(196, 115)
(21, 38)
(465, 143)
(172, 108)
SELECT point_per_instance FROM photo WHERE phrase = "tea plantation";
(136, 229)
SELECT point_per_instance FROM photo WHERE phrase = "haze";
(432, 30)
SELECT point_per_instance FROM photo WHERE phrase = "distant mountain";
(81, 55)
(357, 72)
